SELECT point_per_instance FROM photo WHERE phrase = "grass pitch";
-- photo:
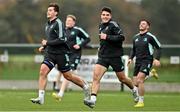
(18, 100)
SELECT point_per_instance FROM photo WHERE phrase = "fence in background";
(33, 59)
(169, 51)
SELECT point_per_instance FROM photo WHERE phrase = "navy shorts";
(116, 63)
(62, 61)
(142, 66)
(74, 60)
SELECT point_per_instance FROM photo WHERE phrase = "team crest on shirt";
(136, 40)
(72, 33)
(67, 64)
(106, 28)
(122, 67)
(145, 39)
(145, 70)
(51, 26)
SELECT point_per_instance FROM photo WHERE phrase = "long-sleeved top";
(143, 47)
(56, 41)
(76, 35)
(112, 46)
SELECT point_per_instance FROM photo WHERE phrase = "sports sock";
(134, 89)
(61, 93)
(41, 94)
(141, 99)
(85, 86)
(93, 97)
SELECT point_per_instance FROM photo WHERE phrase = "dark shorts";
(62, 61)
(142, 66)
(74, 60)
(116, 63)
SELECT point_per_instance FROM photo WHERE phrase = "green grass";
(19, 71)
(23, 67)
(20, 67)
(169, 74)
(18, 100)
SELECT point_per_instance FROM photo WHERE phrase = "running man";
(76, 39)
(109, 54)
(56, 52)
(143, 49)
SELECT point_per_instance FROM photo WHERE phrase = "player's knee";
(43, 73)
(123, 79)
(139, 81)
(44, 70)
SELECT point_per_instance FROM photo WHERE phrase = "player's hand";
(156, 63)
(76, 46)
(103, 36)
(41, 49)
(44, 42)
(129, 62)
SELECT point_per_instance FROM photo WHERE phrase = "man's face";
(143, 26)
(51, 13)
(105, 16)
(69, 22)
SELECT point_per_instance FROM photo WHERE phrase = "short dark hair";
(147, 21)
(107, 9)
(55, 5)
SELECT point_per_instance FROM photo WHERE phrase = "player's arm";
(157, 45)
(132, 53)
(84, 38)
(59, 30)
(41, 49)
(154, 41)
(53, 42)
(60, 33)
(56, 42)
(43, 46)
(117, 33)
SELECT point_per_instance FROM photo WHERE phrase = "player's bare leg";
(127, 81)
(78, 81)
(99, 71)
(140, 83)
(44, 70)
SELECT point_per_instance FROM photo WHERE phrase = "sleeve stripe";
(115, 24)
(82, 31)
(119, 31)
(158, 43)
(60, 28)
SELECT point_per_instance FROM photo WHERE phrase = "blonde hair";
(71, 16)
